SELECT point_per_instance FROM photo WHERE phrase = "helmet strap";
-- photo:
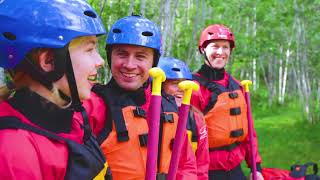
(76, 103)
(206, 59)
(38, 74)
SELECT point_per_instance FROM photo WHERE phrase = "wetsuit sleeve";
(202, 151)
(97, 112)
(18, 157)
(187, 168)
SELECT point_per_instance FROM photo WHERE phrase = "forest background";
(277, 47)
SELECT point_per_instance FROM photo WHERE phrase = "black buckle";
(194, 138)
(161, 176)
(235, 111)
(143, 139)
(139, 112)
(236, 133)
(123, 136)
(233, 95)
(167, 117)
(171, 144)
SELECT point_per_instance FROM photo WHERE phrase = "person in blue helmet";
(133, 47)
(177, 71)
(49, 50)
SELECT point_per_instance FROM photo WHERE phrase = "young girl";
(49, 49)
(177, 71)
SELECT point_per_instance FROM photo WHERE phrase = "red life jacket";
(124, 139)
(225, 114)
(54, 155)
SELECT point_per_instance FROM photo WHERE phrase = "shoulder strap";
(114, 113)
(12, 122)
(233, 84)
(212, 87)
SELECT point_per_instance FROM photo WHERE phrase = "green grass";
(284, 139)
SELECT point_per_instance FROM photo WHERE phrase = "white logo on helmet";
(222, 36)
(60, 37)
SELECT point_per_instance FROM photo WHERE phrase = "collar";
(42, 112)
(212, 74)
(138, 96)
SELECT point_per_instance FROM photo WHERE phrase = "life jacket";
(124, 138)
(225, 114)
(85, 161)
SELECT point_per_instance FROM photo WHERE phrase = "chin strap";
(76, 103)
(206, 59)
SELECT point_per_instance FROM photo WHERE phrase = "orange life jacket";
(125, 143)
(225, 115)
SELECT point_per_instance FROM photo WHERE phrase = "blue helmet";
(135, 30)
(174, 68)
(32, 24)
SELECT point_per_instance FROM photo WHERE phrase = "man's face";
(130, 65)
(218, 53)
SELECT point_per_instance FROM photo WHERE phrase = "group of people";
(60, 124)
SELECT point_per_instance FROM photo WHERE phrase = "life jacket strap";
(229, 147)
(143, 139)
(236, 133)
(235, 111)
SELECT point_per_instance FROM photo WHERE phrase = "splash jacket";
(46, 140)
(124, 137)
(221, 100)
(198, 136)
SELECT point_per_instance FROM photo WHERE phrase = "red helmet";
(215, 32)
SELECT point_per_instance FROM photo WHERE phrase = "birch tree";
(2, 77)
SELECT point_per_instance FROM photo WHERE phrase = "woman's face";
(218, 53)
(85, 60)
(171, 87)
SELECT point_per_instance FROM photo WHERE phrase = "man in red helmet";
(222, 101)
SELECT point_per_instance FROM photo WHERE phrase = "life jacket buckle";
(171, 144)
(161, 176)
(235, 111)
(139, 112)
(122, 136)
(233, 95)
(143, 139)
(167, 118)
(236, 133)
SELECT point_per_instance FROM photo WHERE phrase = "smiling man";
(133, 47)
(221, 100)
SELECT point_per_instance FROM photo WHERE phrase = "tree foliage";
(277, 42)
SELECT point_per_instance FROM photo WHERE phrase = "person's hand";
(259, 176)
